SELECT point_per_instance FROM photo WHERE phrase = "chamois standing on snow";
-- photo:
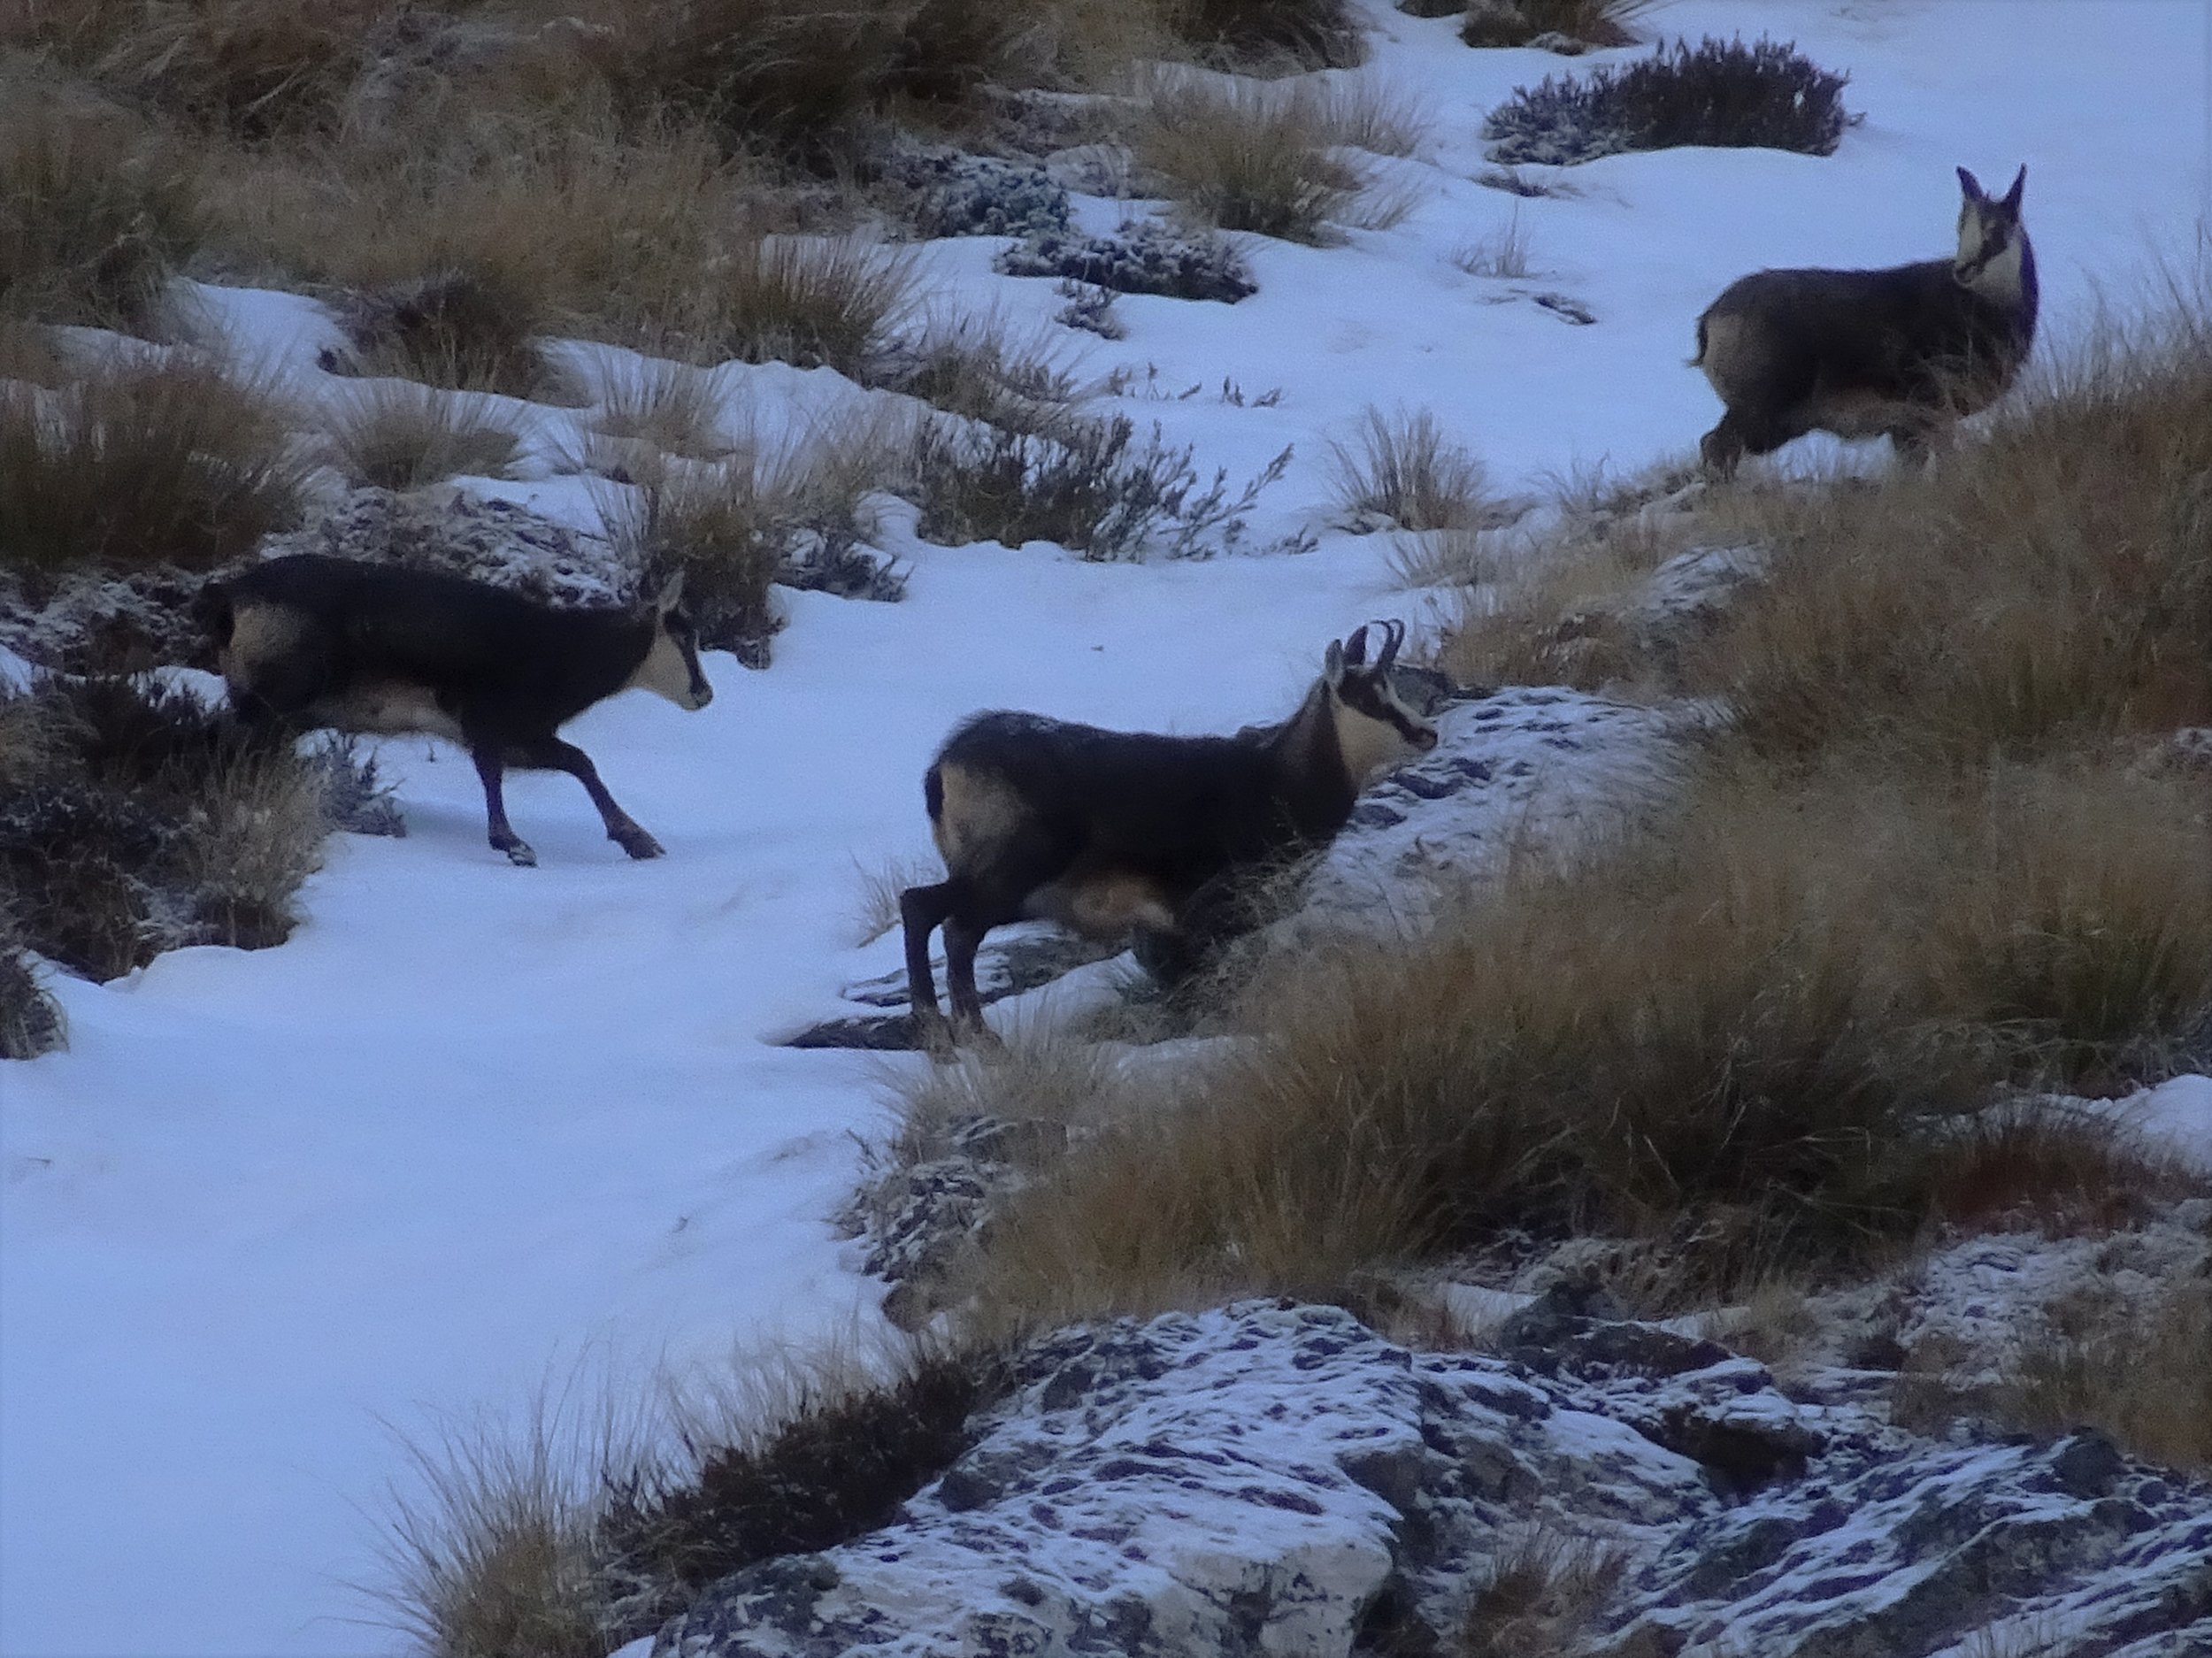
(1111, 832)
(309, 641)
(1905, 352)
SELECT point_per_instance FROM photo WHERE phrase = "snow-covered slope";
(472, 1121)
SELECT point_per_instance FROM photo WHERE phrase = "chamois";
(309, 642)
(1111, 832)
(1905, 352)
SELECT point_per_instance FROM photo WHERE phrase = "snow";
(270, 1209)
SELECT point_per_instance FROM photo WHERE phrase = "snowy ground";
(472, 1122)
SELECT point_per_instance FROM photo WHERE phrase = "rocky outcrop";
(1275, 1479)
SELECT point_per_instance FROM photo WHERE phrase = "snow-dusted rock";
(1273, 1478)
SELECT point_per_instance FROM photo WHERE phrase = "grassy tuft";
(1502, 253)
(807, 301)
(462, 330)
(1517, 22)
(1540, 1591)
(97, 212)
(2134, 1372)
(1251, 157)
(1403, 468)
(974, 365)
(400, 435)
(668, 407)
(1269, 33)
(140, 463)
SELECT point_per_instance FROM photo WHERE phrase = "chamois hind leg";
(961, 938)
(1744, 432)
(491, 768)
(921, 910)
(550, 754)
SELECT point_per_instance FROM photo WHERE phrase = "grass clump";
(1082, 484)
(2135, 1371)
(668, 407)
(140, 820)
(1582, 22)
(1246, 157)
(973, 365)
(1503, 253)
(142, 462)
(97, 212)
(1543, 1589)
(400, 435)
(1403, 468)
(810, 302)
(1719, 93)
(1262, 33)
(461, 330)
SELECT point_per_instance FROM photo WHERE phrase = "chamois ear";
(2019, 183)
(1333, 664)
(1971, 185)
(671, 594)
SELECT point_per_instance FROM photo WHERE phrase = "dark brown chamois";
(1111, 834)
(309, 641)
(1904, 352)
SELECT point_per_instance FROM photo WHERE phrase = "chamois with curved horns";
(1111, 832)
(1904, 352)
(309, 642)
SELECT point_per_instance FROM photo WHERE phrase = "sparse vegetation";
(972, 365)
(668, 407)
(148, 461)
(1403, 468)
(1541, 1593)
(805, 301)
(1719, 92)
(462, 330)
(2135, 1371)
(1303, 33)
(400, 435)
(1080, 483)
(1501, 254)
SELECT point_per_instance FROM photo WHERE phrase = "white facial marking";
(664, 672)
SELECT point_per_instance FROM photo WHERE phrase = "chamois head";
(671, 668)
(1375, 727)
(1990, 236)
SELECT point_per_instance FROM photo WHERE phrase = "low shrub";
(1148, 260)
(1080, 484)
(140, 463)
(30, 1023)
(143, 820)
(1719, 93)
(400, 435)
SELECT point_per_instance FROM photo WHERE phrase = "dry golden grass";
(147, 461)
(1502, 253)
(2139, 1373)
(669, 407)
(814, 301)
(1268, 35)
(2042, 588)
(1404, 468)
(399, 435)
(97, 210)
(974, 364)
(875, 909)
(1542, 1589)
(1244, 156)
(1736, 1031)
(1516, 22)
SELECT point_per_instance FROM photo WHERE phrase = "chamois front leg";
(491, 768)
(551, 753)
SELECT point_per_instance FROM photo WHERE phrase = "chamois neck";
(1309, 760)
(2008, 282)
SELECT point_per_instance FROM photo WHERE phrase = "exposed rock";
(1012, 961)
(97, 621)
(1272, 1478)
(1147, 259)
(496, 541)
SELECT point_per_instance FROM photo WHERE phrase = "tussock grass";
(728, 523)
(1402, 467)
(812, 302)
(2137, 1372)
(143, 462)
(1269, 33)
(30, 1022)
(801, 1458)
(2045, 587)
(1249, 157)
(670, 407)
(1542, 1589)
(875, 909)
(1517, 22)
(97, 211)
(461, 330)
(1761, 1028)
(399, 435)
(974, 364)
(140, 819)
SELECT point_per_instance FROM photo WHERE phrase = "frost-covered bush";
(1719, 93)
(1148, 260)
(1084, 485)
(958, 195)
(1568, 26)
